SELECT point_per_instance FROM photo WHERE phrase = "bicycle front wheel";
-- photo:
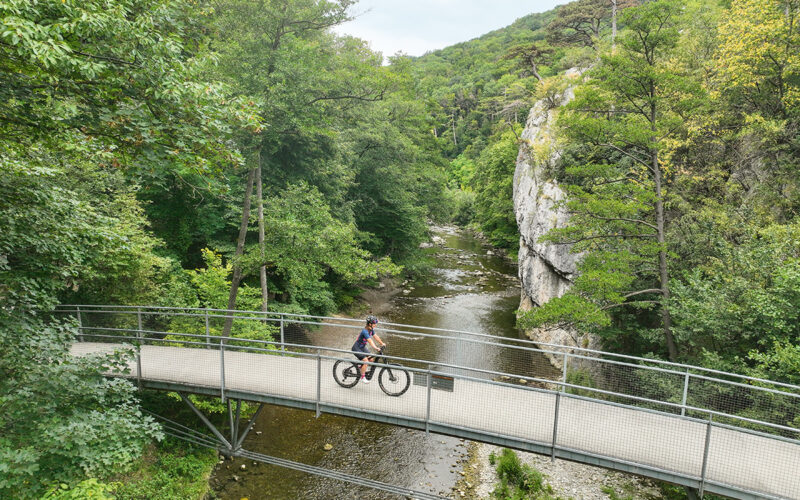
(346, 373)
(394, 380)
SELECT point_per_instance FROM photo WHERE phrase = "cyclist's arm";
(375, 336)
(372, 343)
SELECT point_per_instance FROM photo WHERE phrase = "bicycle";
(393, 378)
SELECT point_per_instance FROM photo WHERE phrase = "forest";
(238, 154)
(680, 156)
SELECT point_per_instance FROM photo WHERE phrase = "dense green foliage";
(680, 159)
(170, 470)
(494, 207)
(78, 114)
(60, 418)
(680, 156)
(128, 128)
(477, 95)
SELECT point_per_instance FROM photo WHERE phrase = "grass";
(170, 470)
(518, 481)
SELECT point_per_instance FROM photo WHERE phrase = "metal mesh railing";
(688, 417)
(629, 380)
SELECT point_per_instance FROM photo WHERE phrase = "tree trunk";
(263, 270)
(237, 267)
(535, 72)
(455, 141)
(666, 318)
(613, 22)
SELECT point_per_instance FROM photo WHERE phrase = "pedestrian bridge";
(709, 431)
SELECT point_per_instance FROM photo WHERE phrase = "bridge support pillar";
(232, 446)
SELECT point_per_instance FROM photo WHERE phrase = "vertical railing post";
(283, 342)
(139, 347)
(428, 407)
(685, 393)
(230, 423)
(80, 323)
(564, 372)
(319, 380)
(555, 428)
(208, 331)
(222, 369)
(705, 455)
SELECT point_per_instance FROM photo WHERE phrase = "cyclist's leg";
(362, 356)
(365, 366)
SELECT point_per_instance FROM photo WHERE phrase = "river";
(471, 289)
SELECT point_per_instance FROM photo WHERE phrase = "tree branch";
(634, 158)
(365, 98)
(604, 236)
(106, 58)
(611, 306)
(635, 221)
(640, 292)
(613, 181)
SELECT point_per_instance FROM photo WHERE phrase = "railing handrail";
(564, 349)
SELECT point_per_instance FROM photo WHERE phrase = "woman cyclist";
(367, 336)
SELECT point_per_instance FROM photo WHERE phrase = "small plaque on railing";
(439, 382)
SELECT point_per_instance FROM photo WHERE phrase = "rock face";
(545, 270)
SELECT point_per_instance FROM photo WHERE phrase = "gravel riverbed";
(569, 480)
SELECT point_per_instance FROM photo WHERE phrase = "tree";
(758, 87)
(298, 73)
(306, 245)
(531, 56)
(759, 54)
(633, 105)
(122, 75)
(399, 173)
(741, 308)
(94, 96)
(59, 418)
(493, 185)
(579, 23)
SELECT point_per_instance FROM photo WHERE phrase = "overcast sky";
(418, 26)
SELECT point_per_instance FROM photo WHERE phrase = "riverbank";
(569, 480)
(169, 470)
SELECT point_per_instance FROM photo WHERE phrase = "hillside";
(472, 87)
(679, 155)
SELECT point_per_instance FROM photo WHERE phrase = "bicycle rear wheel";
(346, 373)
(394, 380)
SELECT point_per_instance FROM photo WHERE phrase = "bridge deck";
(740, 464)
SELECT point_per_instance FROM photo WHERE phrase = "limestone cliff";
(545, 270)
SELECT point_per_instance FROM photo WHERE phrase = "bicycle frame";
(377, 359)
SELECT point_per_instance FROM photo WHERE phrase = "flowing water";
(471, 289)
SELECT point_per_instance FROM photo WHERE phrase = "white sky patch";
(418, 26)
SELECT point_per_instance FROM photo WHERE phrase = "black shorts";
(361, 352)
